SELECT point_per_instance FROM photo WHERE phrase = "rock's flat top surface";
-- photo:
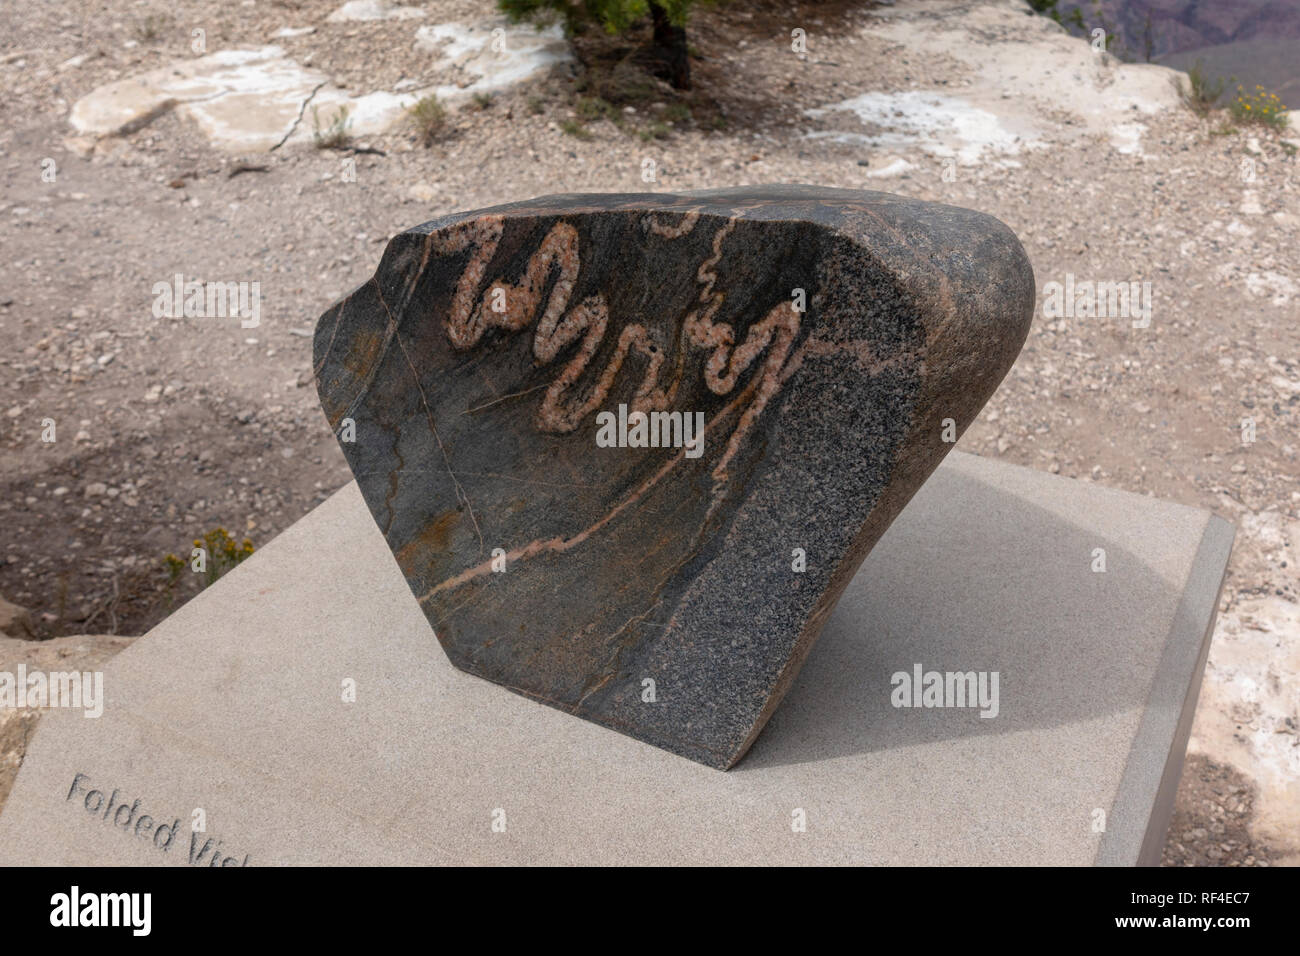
(629, 449)
(233, 704)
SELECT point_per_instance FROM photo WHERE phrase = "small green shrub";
(655, 130)
(430, 118)
(336, 134)
(1259, 108)
(222, 553)
(676, 113)
(592, 108)
(152, 27)
(1200, 93)
(575, 129)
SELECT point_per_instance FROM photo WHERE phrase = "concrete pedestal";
(235, 705)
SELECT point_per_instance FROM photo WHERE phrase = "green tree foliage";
(668, 19)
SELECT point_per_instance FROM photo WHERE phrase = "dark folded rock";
(523, 385)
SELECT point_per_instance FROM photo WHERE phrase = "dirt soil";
(169, 428)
